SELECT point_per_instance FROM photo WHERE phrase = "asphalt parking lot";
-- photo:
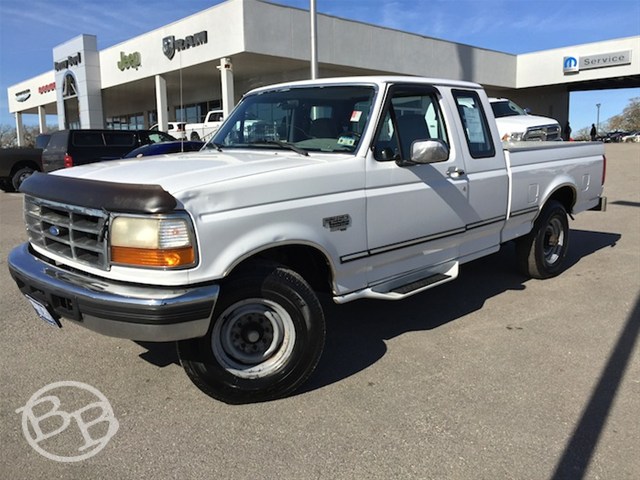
(493, 376)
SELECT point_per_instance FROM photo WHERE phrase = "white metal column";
(226, 77)
(19, 129)
(42, 119)
(161, 103)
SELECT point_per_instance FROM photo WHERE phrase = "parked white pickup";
(516, 125)
(205, 130)
(365, 187)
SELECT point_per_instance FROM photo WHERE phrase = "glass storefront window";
(126, 122)
(196, 113)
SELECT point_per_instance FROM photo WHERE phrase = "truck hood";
(520, 123)
(181, 172)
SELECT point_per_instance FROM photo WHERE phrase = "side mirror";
(429, 151)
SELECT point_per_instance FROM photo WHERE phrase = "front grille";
(72, 232)
(543, 133)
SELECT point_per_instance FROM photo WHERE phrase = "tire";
(20, 176)
(542, 252)
(195, 137)
(266, 337)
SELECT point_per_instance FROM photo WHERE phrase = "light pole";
(314, 40)
(598, 119)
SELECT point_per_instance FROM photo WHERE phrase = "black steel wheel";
(542, 252)
(20, 176)
(265, 339)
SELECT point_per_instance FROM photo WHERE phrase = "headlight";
(513, 137)
(166, 242)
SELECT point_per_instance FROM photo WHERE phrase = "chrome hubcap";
(553, 244)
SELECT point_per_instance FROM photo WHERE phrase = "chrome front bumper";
(117, 309)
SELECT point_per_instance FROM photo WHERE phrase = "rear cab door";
(485, 170)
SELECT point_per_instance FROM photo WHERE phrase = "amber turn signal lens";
(144, 257)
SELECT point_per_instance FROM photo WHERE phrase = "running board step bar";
(407, 285)
(425, 282)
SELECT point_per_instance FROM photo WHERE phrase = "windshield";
(303, 119)
(506, 109)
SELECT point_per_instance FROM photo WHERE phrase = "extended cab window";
(474, 123)
(412, 114)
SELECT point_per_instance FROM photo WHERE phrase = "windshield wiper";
(211, 145)
(290, 146)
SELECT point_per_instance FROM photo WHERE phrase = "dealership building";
(210, 59)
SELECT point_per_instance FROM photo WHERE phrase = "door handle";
(455, 172)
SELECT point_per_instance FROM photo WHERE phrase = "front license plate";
(43, 312)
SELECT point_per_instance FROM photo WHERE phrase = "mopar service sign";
(573, 65)
(570, 65)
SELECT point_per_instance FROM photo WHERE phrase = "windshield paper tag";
(347, 141)
(355, 115)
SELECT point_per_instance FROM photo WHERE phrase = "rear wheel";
(542, 252)
(20, 176)
(195, 137)
(266, 337)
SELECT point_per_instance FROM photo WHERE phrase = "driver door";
(415, 212)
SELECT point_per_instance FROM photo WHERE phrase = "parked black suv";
(68, 148)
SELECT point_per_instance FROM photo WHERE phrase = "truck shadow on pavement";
(356, 332)
(159, 354)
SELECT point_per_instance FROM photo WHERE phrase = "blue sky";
(29, 29)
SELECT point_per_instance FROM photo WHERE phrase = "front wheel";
(265, 339)
(542, 252)
(194, 137)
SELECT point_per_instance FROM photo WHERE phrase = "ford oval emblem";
(55, 231)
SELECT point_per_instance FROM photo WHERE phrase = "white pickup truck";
(365, 187)
(517, 125)
(205, 130)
